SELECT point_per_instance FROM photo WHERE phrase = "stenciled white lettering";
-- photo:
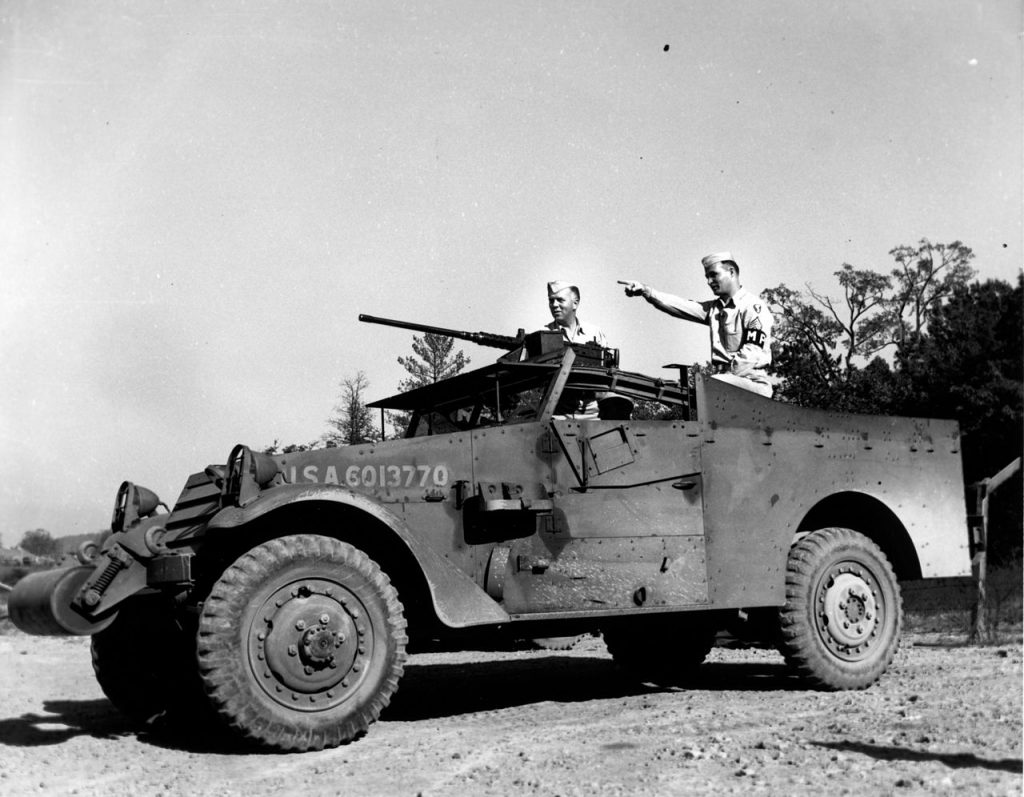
(384, 476)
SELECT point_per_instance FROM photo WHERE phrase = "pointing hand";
(634, 288)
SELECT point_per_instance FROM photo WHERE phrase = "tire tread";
(225, 683)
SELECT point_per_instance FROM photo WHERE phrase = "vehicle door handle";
(683, 485)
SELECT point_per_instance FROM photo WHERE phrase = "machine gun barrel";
(507, 342)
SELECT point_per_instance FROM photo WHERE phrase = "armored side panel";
(769, 467)
(623, 528)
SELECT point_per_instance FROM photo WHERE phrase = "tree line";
(39, 542)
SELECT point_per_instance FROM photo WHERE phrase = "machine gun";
(506, 342)
(540, 346)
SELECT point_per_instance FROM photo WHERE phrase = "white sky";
(198, 199)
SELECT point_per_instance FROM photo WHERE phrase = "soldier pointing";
(740, 322)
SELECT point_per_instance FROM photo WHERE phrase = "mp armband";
(755, 336)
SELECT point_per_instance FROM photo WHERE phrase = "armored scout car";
(281, 593)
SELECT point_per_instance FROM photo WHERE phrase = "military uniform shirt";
(580, 404)
(580, 334)
(741, 330)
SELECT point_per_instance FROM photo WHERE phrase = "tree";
(969, 367)
(432, 361)
(827, 351)
(290, 448)
(352, 422)
(803, 350)
(925, 277)
(40, 543)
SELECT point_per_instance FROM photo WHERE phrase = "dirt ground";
(945, 719)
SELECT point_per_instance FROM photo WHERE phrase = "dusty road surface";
(945, 720)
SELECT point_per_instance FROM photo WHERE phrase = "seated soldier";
(563, 300)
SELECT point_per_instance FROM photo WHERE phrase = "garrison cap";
(557, 286)
(718, 257)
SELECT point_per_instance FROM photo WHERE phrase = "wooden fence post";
(978, 522)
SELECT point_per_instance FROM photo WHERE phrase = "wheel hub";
(318, 645)
(848, 611)
(308, 644)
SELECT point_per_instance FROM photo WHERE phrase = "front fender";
(457, 600)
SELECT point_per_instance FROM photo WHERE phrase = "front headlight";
(247, 472)
(132, 504)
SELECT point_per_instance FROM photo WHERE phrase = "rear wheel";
(660, 650)
(843, 615)
(302, 643)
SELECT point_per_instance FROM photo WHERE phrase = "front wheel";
(301, 643)
(843, 615)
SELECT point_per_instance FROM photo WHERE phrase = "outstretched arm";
(668, 303)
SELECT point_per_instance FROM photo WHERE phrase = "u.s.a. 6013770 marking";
(374, 475)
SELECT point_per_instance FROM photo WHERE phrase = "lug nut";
(293, 651)
(325, 618)
(300, 625)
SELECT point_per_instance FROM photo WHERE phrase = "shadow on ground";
(431, 691)
(952, 760)
(428, 691)
(66, 719)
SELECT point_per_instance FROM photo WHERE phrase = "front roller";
(40, 604)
